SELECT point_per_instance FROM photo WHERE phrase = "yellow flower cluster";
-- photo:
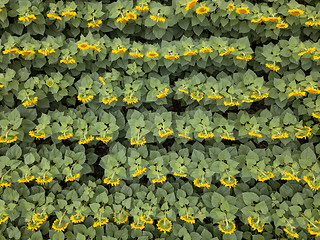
(86, 140)
(6, 139)
(215, 97)
(314, 184)
(138, 143)
(26, 52)
(159, 180)
(156, 18)
(205, 135)
(184, 136)
(228, 227)
(165, 133)
(258, 227)
(65, 136)
(40, 217)
(30, 102)
(254, 134)
(164, 225)
(109, 180)
(59, 225)
(267, 175)
(33, 225)
(72, 178)
(28, 18)
(197, 182)
(100, 222)
(282, 25)
(139, 172)
(37, 135)
(3, 219)
(78, 218)
(127, 17)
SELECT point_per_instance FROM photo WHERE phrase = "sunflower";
(295, 12)
(120, 217)
(26, 179)
(171, 56)
(159, 180)
(273, 67)
(110, 99)
(227, 227)
(40, 217)
(51, 15)
(44, 179)
(229, 182)
(290, 177)
(142, 9)
(10, 51)
(165, 132)
(180, 174)
(139, 143)
(188, 219)
(198, 96)
(303, 132)
(202, 10)
(163, 94)
(316, 115)
(86, 140)
(46, 52)
(164, 225)
(282, 25)
(147, 219)
(198, 183)
(72, 178)
(59, 225)
(119, 50)
(65, 136)
(314, 226)
(191, 4)
(136, 54)
(314, 184)
(104, 140)
(3, 219)
(158, 19)
(130, 99)
(5, 184)
(33, 225)
(231, 7)
(184, 136)
(266, 176)
(37, 134)
(69, 14)
(243, 10)
(87, 98)
(152, 54)
(100, 222)
(312, 90)
(95, 23)
(205, 134)
(30, 102)
(256, 225)
(26, 52)
(135, 225)
(138, 172)
(77, 218)
(297, 94)
(226, 52)
(83, 46)
(111, 181)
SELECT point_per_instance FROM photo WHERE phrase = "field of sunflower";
(171, 119)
